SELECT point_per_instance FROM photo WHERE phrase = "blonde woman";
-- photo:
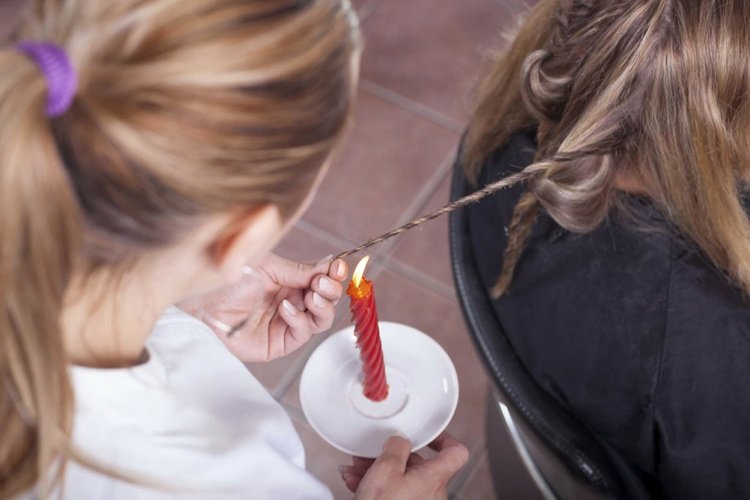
(152, 153)
(621, 269)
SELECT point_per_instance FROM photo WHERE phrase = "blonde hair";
(184, 108)
(657, 90)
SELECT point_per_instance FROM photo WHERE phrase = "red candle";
(365, 316)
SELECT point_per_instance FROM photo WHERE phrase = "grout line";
(412, 106)
(415, 209)
(368, 10)
(377, 257)
(423, 197)
(324, 234)
(294, 371)
(381, 255)
(423, 279)
(462, 478)
(294, 414)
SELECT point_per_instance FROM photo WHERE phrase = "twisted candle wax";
(365, 317)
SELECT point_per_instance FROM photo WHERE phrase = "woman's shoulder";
(701, 397)
(705, 307)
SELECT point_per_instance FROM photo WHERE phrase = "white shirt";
(192, 417)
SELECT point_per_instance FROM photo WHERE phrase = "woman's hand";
(398, 473)
(286, 302)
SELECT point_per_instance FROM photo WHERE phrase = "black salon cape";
(634, 331)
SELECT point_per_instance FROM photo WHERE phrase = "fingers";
(395, 454)
(331, 286)
(390, 464)
(352, 474)
(360, 465)
(444, 440)
(293, 274)
(300, 326)
(414, 460)
(362, 462)
(328, 288)
(338, 270)
(353, 470)
(320, 312)
(452, 455)
(351, 481)
(325, 277)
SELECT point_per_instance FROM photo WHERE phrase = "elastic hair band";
(61, 78)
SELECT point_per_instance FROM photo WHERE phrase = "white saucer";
(422, 398)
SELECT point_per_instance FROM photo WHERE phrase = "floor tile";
(430, 50)
(323, 460)
(425, 248)
(479, 485)
(390, 156)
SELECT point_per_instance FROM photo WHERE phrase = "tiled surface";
(322, 460)
(391, 155)
(430, 50)
(477, 486)
(425, 248)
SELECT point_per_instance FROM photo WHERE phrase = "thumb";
(294, 274)
(395, 455)
(452, 455)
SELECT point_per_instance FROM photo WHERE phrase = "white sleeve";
(192, 417)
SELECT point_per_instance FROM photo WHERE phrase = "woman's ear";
(245, 239)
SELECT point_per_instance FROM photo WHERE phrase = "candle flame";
(359, 271)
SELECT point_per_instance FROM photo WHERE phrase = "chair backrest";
(576, 447)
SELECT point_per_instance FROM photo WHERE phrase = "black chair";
(542, 423)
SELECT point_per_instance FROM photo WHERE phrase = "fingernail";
(290, 307)
(324, 260)
(338, 271)
(318, 300)
(325, 284)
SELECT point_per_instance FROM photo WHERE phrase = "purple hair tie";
(58, 71)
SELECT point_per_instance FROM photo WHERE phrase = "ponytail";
(39, 237)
